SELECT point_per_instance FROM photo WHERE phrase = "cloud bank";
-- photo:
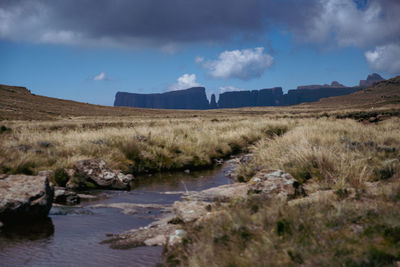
(373, 25)
(127, 22)
(168, 23)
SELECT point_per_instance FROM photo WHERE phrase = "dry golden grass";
(351, 231)
(333, 153)
(133, 145)
(355, 166)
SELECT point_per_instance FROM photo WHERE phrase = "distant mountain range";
(195, 98)
(18, 103)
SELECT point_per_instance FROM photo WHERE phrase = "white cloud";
(102, 76)
(184, 82)
(385, 58)
(229, 88)
(242, 64)
(199, 59)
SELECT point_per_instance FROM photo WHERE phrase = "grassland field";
(347, 160)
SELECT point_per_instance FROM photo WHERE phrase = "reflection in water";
(29, 231)
(73, 234)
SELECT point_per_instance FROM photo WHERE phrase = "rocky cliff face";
(213, 103)
(195, 98)
(275, 97)
(304, 95)
(263, 97)
(192, 98)
(371, 79)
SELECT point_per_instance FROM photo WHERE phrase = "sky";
(87, 50)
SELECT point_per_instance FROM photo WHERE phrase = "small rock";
(98, 142)
(176, 237)
(187, 171)
(72, 185)
(356, 228)
(96, 172)
(156, 241)
(275, 183)
(67, 197)
(70, 172)
(218, 161)
(45, 144)
(85, 196)
(246, 158)
(141, 138)
(188, 211)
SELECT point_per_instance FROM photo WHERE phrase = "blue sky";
(63, 61)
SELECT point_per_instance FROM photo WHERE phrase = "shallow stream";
(72, 235)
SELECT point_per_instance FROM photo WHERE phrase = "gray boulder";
(189, 211)
(24, 198)
(65, 197)
(95, 173)
(277, 184)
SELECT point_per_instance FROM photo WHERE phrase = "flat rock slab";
(219, 193)
(133, 208)
(155, 234)
(24, 198)
(189, 211)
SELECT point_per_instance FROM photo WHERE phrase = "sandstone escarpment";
(195, 98)
(192, 98)
(263, 97)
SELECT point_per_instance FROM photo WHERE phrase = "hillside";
(380, 94)
(18, 103)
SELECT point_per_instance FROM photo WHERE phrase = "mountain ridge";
(195, 97)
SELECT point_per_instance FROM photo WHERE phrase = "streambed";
(72, 235)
